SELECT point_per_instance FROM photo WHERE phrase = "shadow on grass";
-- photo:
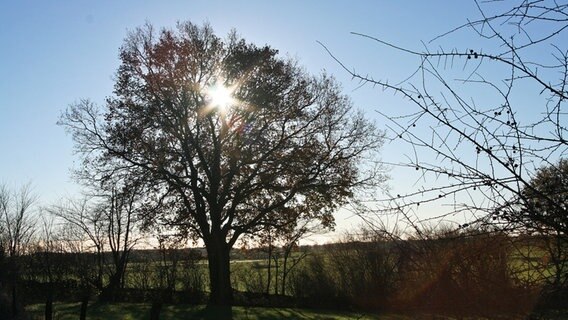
(193, 312)
(132, 311)
(297, 314)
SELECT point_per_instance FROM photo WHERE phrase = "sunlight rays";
(220, 96)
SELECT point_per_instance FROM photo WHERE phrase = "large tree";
(228, 137)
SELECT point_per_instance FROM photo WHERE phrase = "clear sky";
(53, 53)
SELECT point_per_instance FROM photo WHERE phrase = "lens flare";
(220, 96)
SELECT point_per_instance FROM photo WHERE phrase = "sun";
(221, 96)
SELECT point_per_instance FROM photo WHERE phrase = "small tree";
(16, 210)
(107, 221)
(120, 209)
(17, 226)
(290, 255)
(46, 262)
(281, 247)
(85, 234)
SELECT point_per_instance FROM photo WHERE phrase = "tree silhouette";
(543, 205)
(106, 222)
(542, 208)
(227, 137)
(17, 228)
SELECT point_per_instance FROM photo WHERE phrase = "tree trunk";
(155, 310)
(84, 304)
(219, 272)
(287, 253)
(269, 269)
(110, 292)
(14, 300)
(49, 304)
(276, 272)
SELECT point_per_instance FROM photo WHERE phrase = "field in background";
(476, 277)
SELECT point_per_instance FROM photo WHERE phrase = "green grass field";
(247, 275)
(127, 311)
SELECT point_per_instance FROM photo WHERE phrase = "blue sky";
(54, 53)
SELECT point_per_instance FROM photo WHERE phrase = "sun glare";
(220, 96)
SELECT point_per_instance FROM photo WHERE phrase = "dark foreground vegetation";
(455, 274)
